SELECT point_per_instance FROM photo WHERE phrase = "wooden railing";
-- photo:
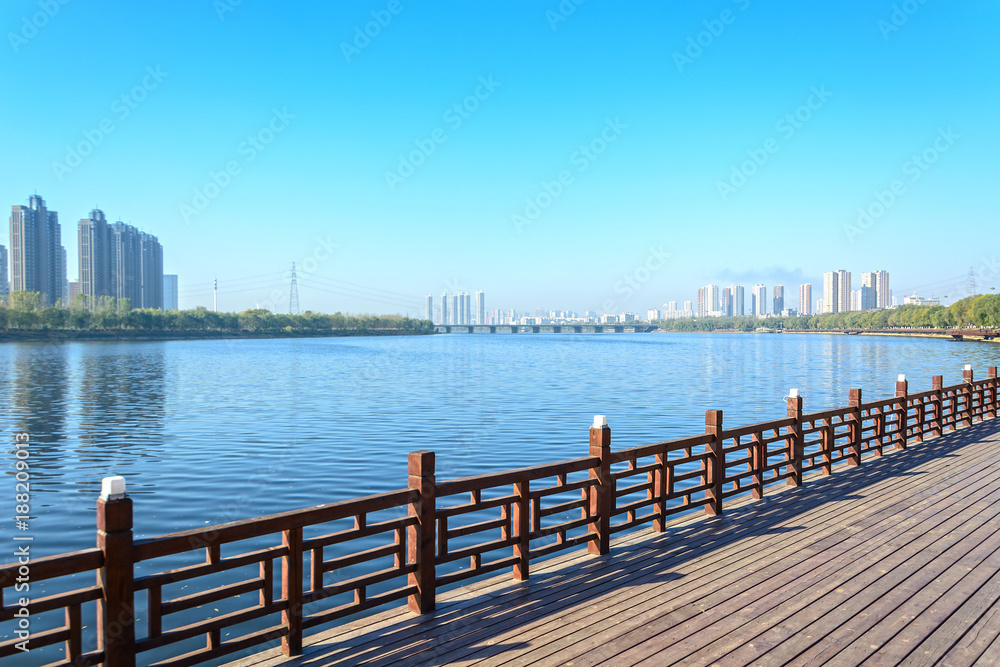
(194, 596)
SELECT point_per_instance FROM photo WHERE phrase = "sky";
(576, 154)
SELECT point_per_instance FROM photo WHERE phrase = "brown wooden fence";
(287, 573)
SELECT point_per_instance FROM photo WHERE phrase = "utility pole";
(293, 295)
(215, 295)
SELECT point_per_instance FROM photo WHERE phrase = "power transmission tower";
(293, 297)
(972, 281)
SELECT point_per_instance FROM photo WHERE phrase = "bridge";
(985, 334)
(545, 328)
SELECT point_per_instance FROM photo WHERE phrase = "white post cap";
(113, 488)
(793, 393)
(901, 378)
(600, 421)
(968, 367)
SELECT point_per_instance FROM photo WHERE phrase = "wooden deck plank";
(762, 630)
(659, 633)
(754, 586)
(591, 609)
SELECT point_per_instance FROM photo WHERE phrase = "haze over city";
(543, 152)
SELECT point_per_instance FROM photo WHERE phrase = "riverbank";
(49, 335)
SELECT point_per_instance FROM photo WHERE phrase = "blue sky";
(738, 139)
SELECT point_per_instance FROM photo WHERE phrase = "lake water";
(213, 431)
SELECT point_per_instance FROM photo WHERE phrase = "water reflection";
(121, 402)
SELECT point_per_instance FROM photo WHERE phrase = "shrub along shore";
(22, 318)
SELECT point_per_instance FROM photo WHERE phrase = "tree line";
(21, 311)
(982, 310)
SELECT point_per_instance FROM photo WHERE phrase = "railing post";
(796, 448)
(937, 384)
(854, 451)
(992, 392)
(522, 515)
(420, 539)
(116, 617)
(902, 389)
(715, 469)
(602, 494)
(967, 379)
(827, 445)
(291, 591)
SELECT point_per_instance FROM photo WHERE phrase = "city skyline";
(593, 180)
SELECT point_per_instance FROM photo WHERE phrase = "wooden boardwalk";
(895, 562)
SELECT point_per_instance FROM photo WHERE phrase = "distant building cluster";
(115, 260)
(838, 297)
(457, 309)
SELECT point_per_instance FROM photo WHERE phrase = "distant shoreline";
(49, 335)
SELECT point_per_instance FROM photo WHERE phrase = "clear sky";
(673, 143)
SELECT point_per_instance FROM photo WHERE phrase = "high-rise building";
(831, 293)
(708, 301)
(778, 299)
(119, 261)
(444, 309)
(170, 291)
(480, 307)
(653, 314)
(428, 307)
(882, 294)
(36, 252)
(758, 301)
(725, 302)
(805, 299)
(4, 284)
(844, 290)
(151, 271)
(468, 308)
(867, 297)
(736, 294)
(94, 241)
(456, 299)
(856, 299)
(74, 289)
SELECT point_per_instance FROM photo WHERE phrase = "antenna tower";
(972, 281)
(293, 296)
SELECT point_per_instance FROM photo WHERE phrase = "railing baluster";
(420, 545)
(715, 466)
(116, 617)
(602, 499)
(937, 382)
(857, 430)
(757, 463)
(660, 492)
(796, 450)
(522, 529)
(902, 390)
(291, 591)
